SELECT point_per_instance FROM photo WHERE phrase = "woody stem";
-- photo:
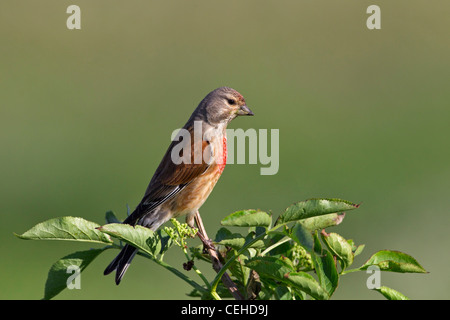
(217, 265)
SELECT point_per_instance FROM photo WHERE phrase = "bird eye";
(231, 101)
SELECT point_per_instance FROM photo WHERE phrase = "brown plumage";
(181, 189)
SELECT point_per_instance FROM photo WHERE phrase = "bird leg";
(191, 220)
(217, 265)
(207, 243)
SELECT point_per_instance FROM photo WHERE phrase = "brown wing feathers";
(169, 179)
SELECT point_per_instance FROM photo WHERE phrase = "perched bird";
(188, 171)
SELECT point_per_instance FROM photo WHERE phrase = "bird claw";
(207, 243)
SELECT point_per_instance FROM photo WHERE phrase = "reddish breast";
(224, 155)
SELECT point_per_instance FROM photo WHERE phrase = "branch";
(217, 265)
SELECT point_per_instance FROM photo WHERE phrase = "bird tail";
(150, 220)
(121, 262)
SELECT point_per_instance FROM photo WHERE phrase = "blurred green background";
(86, 115)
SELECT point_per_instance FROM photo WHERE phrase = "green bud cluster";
(180, 232)
(301, 258)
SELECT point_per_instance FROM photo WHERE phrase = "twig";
(217, 265)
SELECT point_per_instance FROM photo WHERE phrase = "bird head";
(222, 105)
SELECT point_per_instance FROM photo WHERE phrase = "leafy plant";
(289, 258)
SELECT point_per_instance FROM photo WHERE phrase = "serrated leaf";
(66, 228)
(314, 207)
(238, 243)
(395, 261)
(224, 233)
(234, 240)
(248, 218)
(391, 294)
(322, 222)
(62, 269)
(271, 267)
(326, 272)
(138, 236)
(306, 283)
(166, 241)
(339, 247)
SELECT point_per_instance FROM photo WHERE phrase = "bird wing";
(170, 178)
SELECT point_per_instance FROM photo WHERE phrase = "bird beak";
(245, 111)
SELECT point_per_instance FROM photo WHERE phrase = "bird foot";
(207, 243)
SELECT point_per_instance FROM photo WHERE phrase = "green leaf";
(281, 269)
(248, 218)
(394, 261)
(271, 267)
(235, 240)
(283, 293)
(110, 217)
(314, 207)
(322, 222)
(391, 294)
(317, 244)
(61, 270)
(238, 242)
(224, 233)
(138, 236)
(66, 228)
(326, 272)
(356, 249)
(359, 249)
(339, 247)
(306, 283)
(166, 241)
(303, 237)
